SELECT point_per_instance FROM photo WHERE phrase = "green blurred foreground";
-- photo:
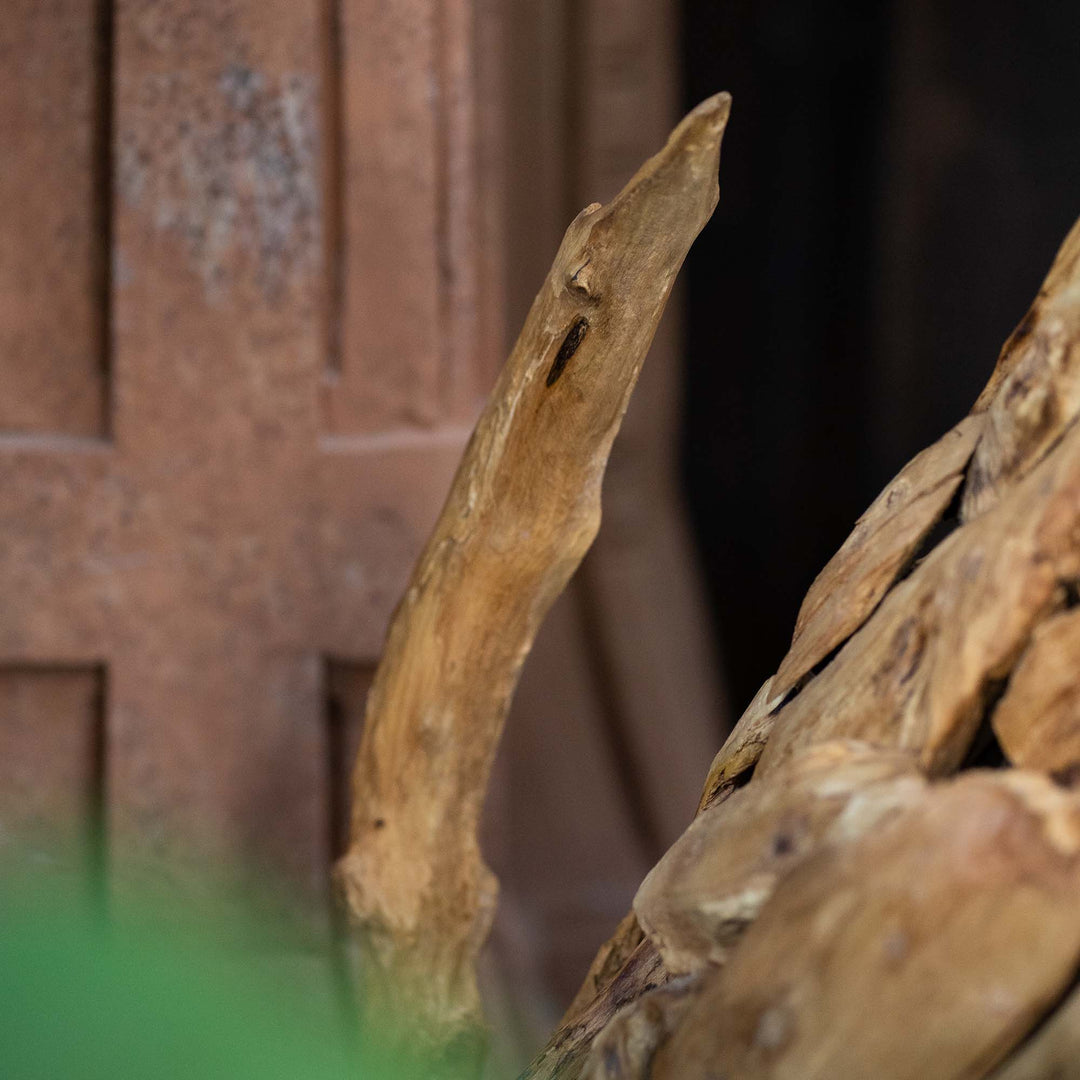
(144, 997)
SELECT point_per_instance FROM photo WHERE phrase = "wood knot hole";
(574, 337)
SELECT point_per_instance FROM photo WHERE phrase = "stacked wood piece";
(883, 879)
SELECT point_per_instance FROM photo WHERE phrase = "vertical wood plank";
(347, 686)
(402, 325)
(216, 742)
(54, 128)
(50, 760)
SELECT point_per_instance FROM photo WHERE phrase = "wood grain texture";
(596, 784)
(521, 513)
(919, 673)
(882, 543)
(1052, 1051)
(698, 900)
(641, 582)
(617, 965)
(851, 586)
(877, 957)
(606, 964)
(1035, 393)
(624, 1050)
(737, 757)
(1037, 720)
(1062, 271)
(567, 1052)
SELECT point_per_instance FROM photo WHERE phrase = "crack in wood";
(571, 343)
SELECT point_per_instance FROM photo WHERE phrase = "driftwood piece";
(1037, 720)
(567, 1052)
(742, 748)
(884, 541)
(844, 595)
(617, 968)
(927, 948)
(625, 1049)
(1062, 273)
(919, 673)
(1052, 1051)
(523, 509)
(1037, 387)
(1030, 399)
(607, 963)
(711, 884)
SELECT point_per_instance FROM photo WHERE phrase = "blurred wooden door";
(257, 265)
(242, 341)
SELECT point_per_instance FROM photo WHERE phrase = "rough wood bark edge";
(523, 509)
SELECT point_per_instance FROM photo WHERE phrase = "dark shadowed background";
(896, 179)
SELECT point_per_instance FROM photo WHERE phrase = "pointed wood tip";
(711, 114)
(680, 181)
(700, 131)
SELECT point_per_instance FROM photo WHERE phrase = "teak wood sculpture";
(883, 877)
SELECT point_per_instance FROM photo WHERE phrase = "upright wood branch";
(523, 509)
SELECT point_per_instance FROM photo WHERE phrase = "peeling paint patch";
(229, 166)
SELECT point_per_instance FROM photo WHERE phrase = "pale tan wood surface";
(1037, 720)
(736, 759)
(1052, 1051)
(711, 884)
(523, 509)
(919, 674)
(568, 1050)
(1061, 274)
(926, 948)
(625, 1048)
(1034, 393)
(881, 545)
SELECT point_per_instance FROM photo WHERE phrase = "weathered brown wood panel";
(227, 537)
(347, 686)
(54, 71)
(50, 761)
(403, 253)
